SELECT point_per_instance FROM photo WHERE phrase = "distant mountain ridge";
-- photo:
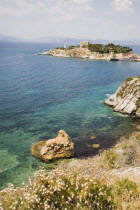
(67, 41)
(6, 38)
(74, 41)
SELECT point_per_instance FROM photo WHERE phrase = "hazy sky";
(106, 19)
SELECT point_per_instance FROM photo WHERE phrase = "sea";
(39, 95)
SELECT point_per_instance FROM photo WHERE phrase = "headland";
(126, 100)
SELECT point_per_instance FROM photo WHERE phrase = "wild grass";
(58, 190)
(108, 181)
(126, 153)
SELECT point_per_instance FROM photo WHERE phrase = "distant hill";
(6, 38)
(127, 42)
(67, 41)
(73, 41)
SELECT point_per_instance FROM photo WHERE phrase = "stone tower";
(84, 43)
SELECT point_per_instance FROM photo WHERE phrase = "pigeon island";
(86, 50)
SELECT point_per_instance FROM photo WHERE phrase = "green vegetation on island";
(131, 78)
(68, 48)
(108, 48)
(86, 50)
(101, 48)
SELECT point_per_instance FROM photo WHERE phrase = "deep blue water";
(41, 94)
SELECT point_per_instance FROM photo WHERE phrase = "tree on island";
(101, 48)
(108, 48)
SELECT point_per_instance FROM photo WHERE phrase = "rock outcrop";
(127, 98)
(59, 147)
(85, 53)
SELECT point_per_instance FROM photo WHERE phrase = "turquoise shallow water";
(40, 95)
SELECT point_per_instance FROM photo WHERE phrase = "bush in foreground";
(83, 184)
(58, 191)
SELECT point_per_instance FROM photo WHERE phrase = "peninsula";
(127, 98)
(86, 50)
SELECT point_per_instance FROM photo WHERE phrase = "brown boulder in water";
(59, 147)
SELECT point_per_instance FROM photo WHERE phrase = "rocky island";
(59, 147)
(127, 98)
(86, 50)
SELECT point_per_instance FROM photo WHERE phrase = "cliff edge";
(127, 98)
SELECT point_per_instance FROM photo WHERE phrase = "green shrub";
(58, 190)
(138, 136)
(60, 48)
(110, 158)
(129, 79)
(120, 93)
(138, 104)
(108, 48)
(126, 186)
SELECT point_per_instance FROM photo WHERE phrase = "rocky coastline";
(85, 53)
(109, 180)
(126, 100)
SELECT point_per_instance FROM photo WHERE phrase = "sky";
(93, 19)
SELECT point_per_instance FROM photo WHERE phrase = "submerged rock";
(96, 146)
(93, 137)
(59, 147)
(127, 98)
